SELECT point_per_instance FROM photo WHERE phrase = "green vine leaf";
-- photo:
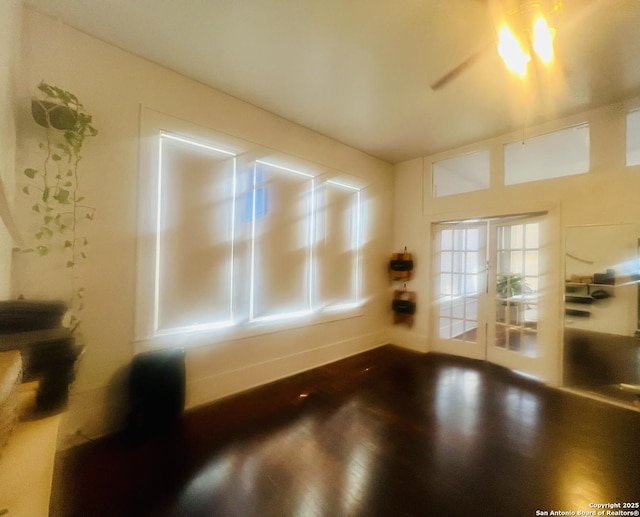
(42, 250)
(68, 244)
(56, 157)
(70, 263)
(45, 194)
(30, 173)
(36, 208)
(25, 189)
(62, 196)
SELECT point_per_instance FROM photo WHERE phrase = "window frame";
(147, 334)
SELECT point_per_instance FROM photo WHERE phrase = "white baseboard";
(406, 338)
(212, 388)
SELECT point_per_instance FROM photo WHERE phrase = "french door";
(461, 284)
(487, 287)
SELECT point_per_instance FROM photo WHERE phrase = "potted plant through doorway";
(510, 311)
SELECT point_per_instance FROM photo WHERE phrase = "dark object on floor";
(156, 391)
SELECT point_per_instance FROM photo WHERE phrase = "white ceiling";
(360, 71)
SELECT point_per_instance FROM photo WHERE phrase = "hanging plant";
(55, 185)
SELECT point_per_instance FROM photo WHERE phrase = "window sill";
(212, 334)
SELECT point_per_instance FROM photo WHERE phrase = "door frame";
(547, 366)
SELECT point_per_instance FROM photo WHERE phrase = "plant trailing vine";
(55, 185)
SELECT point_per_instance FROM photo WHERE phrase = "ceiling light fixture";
(511, 52)
(537, 37)
(543, 40)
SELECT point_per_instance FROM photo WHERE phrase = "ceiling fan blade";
(455, 72)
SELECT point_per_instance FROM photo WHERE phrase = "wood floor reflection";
(386, 433)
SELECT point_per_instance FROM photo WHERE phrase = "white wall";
(113, 85)
(606, 195)
(10, 22)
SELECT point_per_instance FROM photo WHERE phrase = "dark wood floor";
(386, 433)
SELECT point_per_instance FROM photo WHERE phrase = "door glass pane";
(517, 259)
(473, 262)
(471, 309)
(458, 239)
(531, 263)
(504, 262)
(446, 262)
(517, 262)
(461, 272)
(532, 240)
(473, 239)
(516, 236)
(458, 308)
(458, 262)
(445, 328)
(445, 284)
(446, 240)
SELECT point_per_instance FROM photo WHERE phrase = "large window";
(232, 237)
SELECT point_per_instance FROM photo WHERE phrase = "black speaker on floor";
(156, 391)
